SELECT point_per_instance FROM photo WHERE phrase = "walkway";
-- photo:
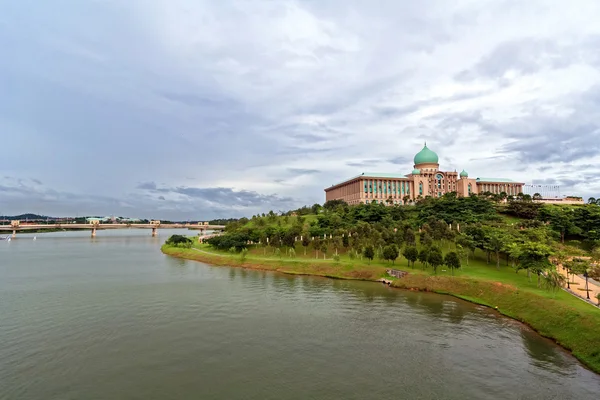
(580, 284)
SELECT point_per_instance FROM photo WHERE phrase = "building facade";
(426, 179)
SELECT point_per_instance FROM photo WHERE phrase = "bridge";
(94, 226)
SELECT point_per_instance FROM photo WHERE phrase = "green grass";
(571, 322)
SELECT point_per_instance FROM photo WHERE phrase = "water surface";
(113, 318)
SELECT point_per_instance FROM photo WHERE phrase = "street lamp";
(587, 292)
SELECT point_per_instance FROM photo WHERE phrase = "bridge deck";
(109, 226)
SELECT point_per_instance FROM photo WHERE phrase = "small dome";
(416, 171)
(464, 174)
(426, 156)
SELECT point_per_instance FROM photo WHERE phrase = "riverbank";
(574, 326)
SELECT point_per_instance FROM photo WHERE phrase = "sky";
(198, 109)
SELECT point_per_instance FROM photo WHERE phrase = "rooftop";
(494, 180)
(372, 175)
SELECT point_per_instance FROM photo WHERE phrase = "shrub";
(179, 241)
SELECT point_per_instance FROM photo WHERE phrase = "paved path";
(580, 280)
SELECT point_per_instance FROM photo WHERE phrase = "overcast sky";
(191, 109)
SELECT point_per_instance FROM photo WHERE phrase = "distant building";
(426, 179)
(572, 200)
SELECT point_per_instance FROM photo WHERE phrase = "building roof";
(464, 174)
(426, 156)
(371, 175)
(382, 175)
(501, 180)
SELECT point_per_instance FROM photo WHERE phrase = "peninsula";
(534, 262)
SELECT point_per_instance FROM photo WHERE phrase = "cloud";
(303, 171)
(255, 98)
(224, 198)
(147, 186)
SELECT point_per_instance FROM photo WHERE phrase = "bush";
(243, 255)
(336, 257)
(179, 241)
(229, 240)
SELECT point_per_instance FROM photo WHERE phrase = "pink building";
(426, 179)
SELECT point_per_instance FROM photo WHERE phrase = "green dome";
(416, 171)
(464, 174)
(426, 156)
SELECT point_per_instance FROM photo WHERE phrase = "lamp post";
(587, 292)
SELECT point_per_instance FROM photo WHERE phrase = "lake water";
(113, 318)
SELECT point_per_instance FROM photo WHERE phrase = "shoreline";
(567, 327)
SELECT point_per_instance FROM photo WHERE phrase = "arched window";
(420, 188)
(439, 179)
(469, 188)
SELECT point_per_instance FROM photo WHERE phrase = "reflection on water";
(114, 318)
(544, 355)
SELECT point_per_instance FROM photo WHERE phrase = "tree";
(369, 253)
(316, 246)
(598, 297)
(537, 196)
(425, 239)
(467, 243)
(495, 241)
(514, 252)
(324, 249)
(452, 261)
(337, 243)
(534, 257)
(390, 253)
(305, 241)
(554, 280)
(411, 253)
(423, 256)
(435, 258)
(561, 220)
(592, 200)
(409, 237)
(179, 241)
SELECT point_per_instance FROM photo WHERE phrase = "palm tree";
(554, 280)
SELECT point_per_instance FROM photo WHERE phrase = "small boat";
(4, 238)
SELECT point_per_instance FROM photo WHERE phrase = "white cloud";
(237, 94)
